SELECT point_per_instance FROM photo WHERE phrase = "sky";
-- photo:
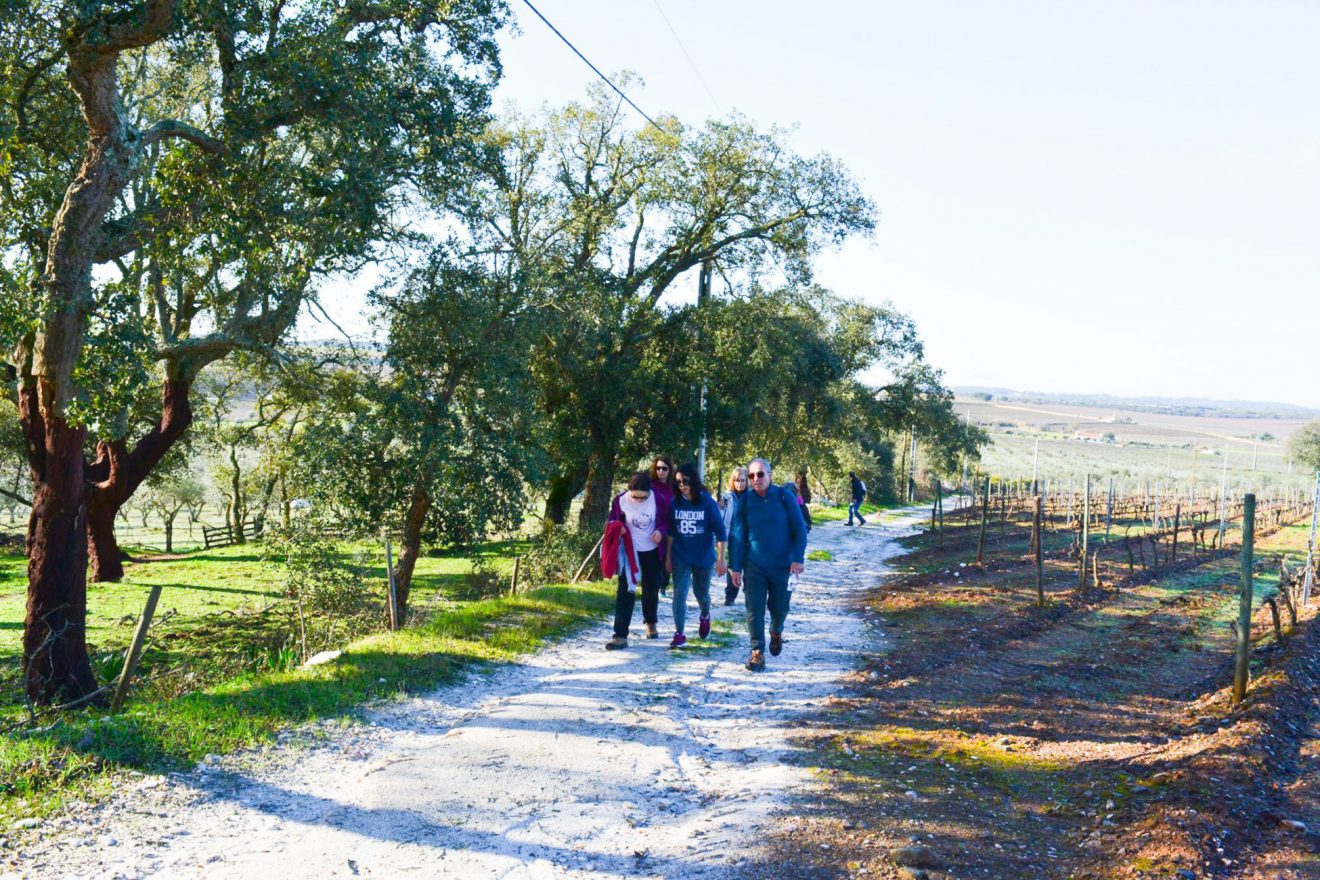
(1118, 197)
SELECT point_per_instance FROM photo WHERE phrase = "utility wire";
(592, 66)
(691, 63)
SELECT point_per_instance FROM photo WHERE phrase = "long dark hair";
(689, 472)
(668, 480)
(803, 490)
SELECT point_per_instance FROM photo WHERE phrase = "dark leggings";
(624, 598)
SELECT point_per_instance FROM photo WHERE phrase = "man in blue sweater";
(768, 544)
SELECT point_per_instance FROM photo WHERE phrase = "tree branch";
(16, 497)
(173, 128)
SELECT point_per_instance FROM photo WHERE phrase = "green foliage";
(604, 219)
(1304, 445)
(329, 590)
(555, 556)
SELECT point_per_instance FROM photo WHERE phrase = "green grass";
(839, 512)
(820, 556)
(43, 768)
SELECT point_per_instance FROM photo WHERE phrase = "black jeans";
(625, 599)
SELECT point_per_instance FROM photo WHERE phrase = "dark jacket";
(694, 528)
(858, 491)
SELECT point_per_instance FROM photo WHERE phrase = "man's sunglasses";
(756, 475)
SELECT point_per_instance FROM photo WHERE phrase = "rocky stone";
(914, 857)
(25, 824)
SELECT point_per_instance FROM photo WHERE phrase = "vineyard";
(1071, 713)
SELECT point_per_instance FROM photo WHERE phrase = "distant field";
(1144, 446)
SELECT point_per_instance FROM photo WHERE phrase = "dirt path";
(576, 762)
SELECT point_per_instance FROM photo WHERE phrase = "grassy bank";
(210, 683)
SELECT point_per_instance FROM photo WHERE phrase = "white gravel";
(574, 762)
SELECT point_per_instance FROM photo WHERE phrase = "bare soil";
(1089, 738)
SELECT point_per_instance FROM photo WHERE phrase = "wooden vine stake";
(1086, 535)
(1309, 576)
(1242, 667)
(1036, 542)
(985, 515)
(394, 590)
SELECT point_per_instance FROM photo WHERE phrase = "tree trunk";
(169, 532)
(419, 506)
(563, 489)
(55, 663)
(117, 473)
(236, 486)
(599, 490)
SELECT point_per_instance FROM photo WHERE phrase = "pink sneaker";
(679, 641)
(703, 628)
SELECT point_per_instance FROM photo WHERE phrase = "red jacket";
(616, 545)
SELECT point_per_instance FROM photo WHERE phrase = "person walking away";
(662, 483)
(728, 504)
(768, 545)
(695, 544)
(645, 515)
(858, 496)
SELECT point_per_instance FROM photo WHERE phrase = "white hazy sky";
(1117, 197)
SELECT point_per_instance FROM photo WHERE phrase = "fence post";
(394, 596)
(1310, 544)
(1243, 665)
(135, 650)
(1036, 536)
(985, 515)
(1086, 534)
(513, 583)
(1109, 510)
(1177, 522)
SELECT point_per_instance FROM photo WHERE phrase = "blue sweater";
(695, 527)
(767, 532)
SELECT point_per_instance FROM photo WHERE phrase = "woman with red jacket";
(644, 512)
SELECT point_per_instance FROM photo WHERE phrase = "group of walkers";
(666, 523)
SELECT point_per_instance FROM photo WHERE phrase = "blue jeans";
(855, 509)
(699, 579)
(764, 590)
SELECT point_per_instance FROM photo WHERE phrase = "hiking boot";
(679, 641)
(776, 644)
(703, 627)
(756, 661)
(616, 643)
(652, 632)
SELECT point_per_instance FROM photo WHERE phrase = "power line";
(592, 66)
(691, 63)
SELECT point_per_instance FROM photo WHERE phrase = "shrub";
(556, 555)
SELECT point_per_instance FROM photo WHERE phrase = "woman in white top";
(646, 516)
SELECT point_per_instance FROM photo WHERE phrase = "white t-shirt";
(640, 517)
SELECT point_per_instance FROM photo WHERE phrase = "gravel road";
(574, 762)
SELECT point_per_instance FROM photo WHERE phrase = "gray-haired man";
(768, 544)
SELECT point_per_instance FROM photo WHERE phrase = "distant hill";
(1173, 406)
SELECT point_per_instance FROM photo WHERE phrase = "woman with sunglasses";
(645, 514)
(695, 544)
(728, 505)
(662, 483)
